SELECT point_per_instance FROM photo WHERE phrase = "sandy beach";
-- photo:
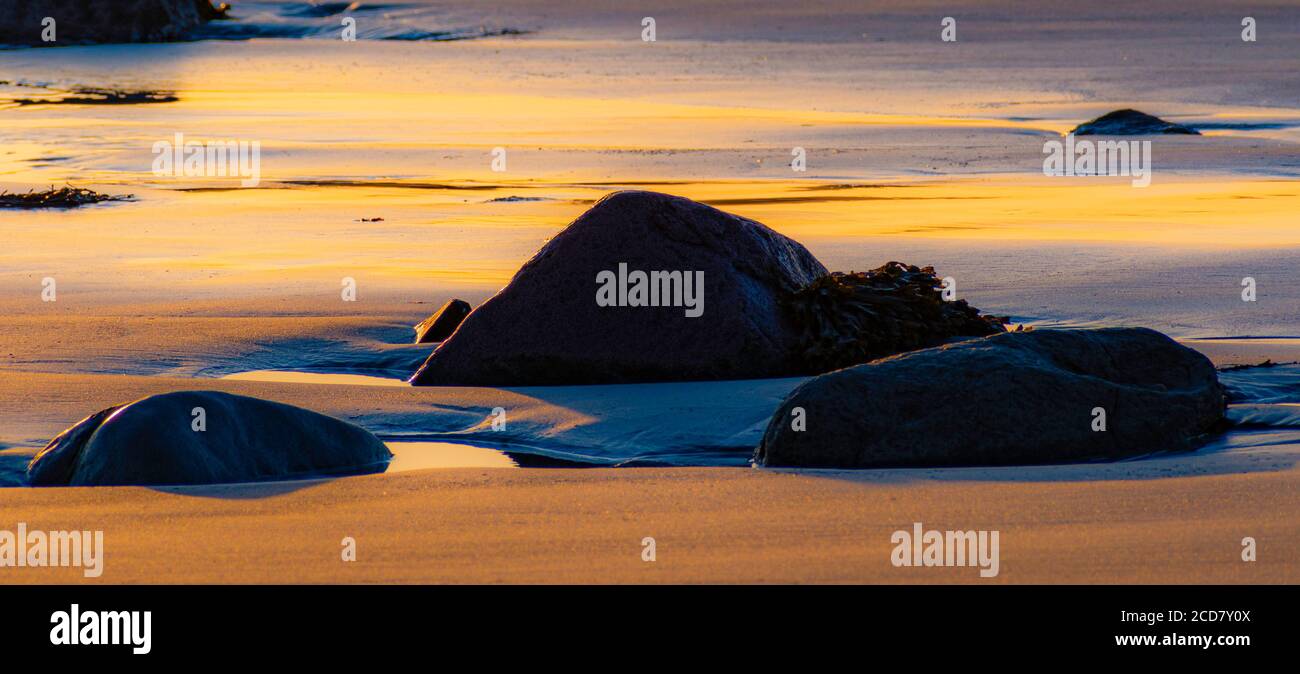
(712, 525)
(377, 166)
(1177, 518)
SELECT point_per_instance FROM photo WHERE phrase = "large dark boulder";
(769, 309)
(102, 21)
(1129, 122)
(1014, 398)
(546, 326)
(153, 441)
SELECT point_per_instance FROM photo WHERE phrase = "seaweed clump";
(62, 197)
(856, 317)
(95, 96)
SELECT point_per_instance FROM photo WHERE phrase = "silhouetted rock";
(442, 323)
(772, 309)
(1130, 123)
(153, 441)
(102, 21)
(546, 326)
(1014, 398)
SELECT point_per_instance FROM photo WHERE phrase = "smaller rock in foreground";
(204, 437)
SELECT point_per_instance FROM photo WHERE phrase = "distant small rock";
(1032, 397)
(1129, 122)
(159, 440)
(442, 323)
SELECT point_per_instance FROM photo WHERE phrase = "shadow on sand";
(1241, 450)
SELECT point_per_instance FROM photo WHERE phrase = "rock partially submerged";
(1015, 398)
(1129, 122)
(442, 323)
(154, 441)
(22, 22)
(768, 308)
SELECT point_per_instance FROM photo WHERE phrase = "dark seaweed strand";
(62, 197)
(849, 318)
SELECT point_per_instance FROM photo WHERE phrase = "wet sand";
(1173, 519)
(717, 525)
